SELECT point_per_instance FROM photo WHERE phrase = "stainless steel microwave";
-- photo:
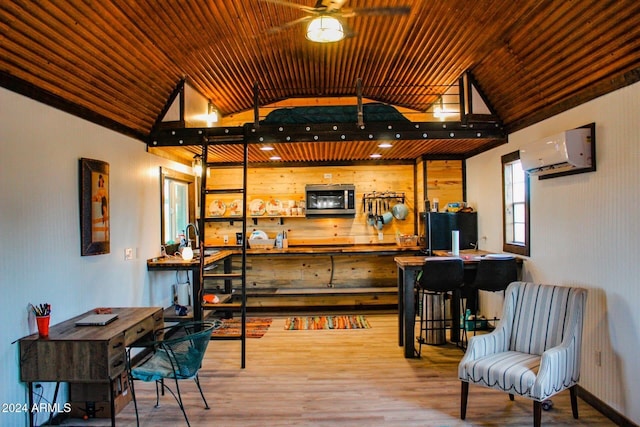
(331, 199)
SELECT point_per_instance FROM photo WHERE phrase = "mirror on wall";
(177, 204)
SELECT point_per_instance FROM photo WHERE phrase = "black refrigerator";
(437, 228)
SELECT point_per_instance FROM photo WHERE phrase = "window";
(178, 204)
(176, 208)
(515, 203)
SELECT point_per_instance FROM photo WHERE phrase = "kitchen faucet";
(195, 232)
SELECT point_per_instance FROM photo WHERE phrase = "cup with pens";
(43, 314)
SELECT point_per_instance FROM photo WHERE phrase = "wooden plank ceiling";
(118, 62)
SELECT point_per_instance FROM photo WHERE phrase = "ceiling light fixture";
(196, 164)
(325, 29)
(212, 114)
(275, 158)
(385, 145)
(375, 156)
(266, 148)
(438, 112)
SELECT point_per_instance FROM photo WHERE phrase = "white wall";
(40, 231)
(585, 231)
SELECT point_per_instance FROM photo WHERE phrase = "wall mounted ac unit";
(565, 153)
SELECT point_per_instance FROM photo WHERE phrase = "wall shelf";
(255, 219)
(280, 218)
(229, 219)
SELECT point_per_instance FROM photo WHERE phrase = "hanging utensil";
(400, 211)
(371, 220)
(379, 218)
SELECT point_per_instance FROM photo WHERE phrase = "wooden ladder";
(229, 302)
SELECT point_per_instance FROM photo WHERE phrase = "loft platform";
(459, 129)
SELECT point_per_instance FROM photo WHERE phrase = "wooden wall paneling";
(289, 272)
(364, 271)
(224, 177)
(286, 184)
(444, 181)
(318, 271)
(420, 177)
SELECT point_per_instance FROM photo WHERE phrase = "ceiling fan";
(326, 19)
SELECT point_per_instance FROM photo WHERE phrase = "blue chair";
(178, 356)
(534, 352)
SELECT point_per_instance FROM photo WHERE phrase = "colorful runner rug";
(256, 327)
(327, 322)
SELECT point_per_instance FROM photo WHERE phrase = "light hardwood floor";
(339, 378)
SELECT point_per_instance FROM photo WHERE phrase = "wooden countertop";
(469, 256)
(176, 263)
(390, 249)
(127, 316)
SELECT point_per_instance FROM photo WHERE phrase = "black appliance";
(437, 228)
(330, 200)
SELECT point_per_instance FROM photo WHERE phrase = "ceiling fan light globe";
(325, 29)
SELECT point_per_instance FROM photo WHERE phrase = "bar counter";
(408, 268)
(226, 255)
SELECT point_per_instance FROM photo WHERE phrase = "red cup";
(43, 325)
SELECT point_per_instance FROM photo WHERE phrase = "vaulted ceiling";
(117, 63)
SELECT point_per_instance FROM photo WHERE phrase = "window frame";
(516, 248)
(165, 174)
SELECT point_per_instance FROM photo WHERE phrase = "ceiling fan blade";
(274, 30)
(330, 5)
(289, 4)
(348, 31)
(402, 10)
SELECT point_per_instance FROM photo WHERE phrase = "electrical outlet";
(128, 254)
(225, 239)
(328, 176)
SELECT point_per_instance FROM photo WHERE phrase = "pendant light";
(325, 29)
(196, 165)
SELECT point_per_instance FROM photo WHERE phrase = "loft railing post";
(256, 105)
(359, 94)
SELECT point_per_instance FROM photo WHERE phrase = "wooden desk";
(86, 354)
(175, 263)
(407, 270)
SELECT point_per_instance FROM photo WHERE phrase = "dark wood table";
(88, 355)
(407, 270)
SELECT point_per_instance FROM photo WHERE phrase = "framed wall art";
(94, 207)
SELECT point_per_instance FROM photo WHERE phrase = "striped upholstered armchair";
(534, 351)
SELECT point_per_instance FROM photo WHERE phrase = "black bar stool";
(439, 277)
(492, 275)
